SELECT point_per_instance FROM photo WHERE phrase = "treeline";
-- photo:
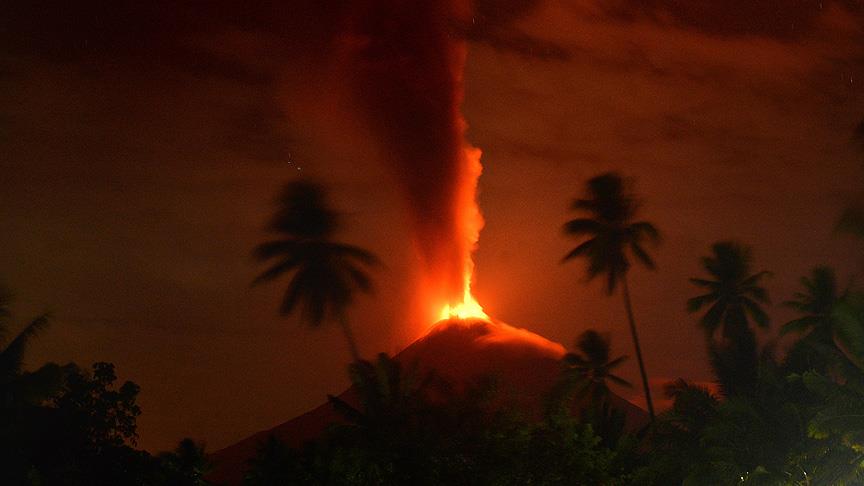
(68, 426)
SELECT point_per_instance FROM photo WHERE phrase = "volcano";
(525, 365)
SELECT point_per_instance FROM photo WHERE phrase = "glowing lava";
(469, 222)
(467, 309)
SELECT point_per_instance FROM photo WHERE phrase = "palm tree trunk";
(629, 307)
(349, 336)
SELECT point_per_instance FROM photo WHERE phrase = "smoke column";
(405, 62)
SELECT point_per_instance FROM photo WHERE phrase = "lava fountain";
(470, 222)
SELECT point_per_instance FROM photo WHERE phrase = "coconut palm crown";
(325, 275)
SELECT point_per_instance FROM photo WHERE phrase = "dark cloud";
(146, 31)
(492, 22)
(781, 19)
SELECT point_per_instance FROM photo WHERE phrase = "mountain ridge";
(460, 352)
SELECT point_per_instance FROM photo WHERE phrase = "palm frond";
(801, 325)
(644, 228)
(580, 250)
(343, 408)
(276, 248)
(359, 278)
(758, 293)
(617, 362)
(619, 381)
(711, 319)
(799, 303)
(755, 278)
(293, 294)
(849, 326)
(755, 311)
(12, 356)
(696, 303)
(710, 284)
(363, 256)
(642, 255)
(275, 271)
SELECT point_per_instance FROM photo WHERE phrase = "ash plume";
(407, 62)
(402, 62)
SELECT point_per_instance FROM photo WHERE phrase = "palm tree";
(734, 293)
(816, 303)
(735, 297)
(612, 236)
(848, 317)
(18, 387)
(592, 365)
(12, 354)
(325, 274)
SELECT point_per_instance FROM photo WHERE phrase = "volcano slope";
(525, 367)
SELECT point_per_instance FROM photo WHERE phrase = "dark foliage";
(613, 239)
(734, 299)
(401, 434)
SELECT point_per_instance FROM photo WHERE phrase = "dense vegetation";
(64, 425)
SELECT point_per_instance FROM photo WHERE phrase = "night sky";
(143, 145)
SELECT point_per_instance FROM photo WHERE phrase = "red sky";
(143, 147)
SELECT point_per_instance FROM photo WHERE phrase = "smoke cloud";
(405, 61)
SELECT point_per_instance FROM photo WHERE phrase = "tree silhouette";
(18, 387)
(612, 236)
(12, 355)
(816, 303)
(185, 466)
(734, 293)
(592, 366)
(325, 274)
(734, 296)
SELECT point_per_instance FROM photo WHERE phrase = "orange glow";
(469, 223)
(467, 309)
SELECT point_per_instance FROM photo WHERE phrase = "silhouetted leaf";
(696, 303)
(12, 356)
(580, 250)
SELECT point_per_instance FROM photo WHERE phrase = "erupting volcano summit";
(404, 62)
